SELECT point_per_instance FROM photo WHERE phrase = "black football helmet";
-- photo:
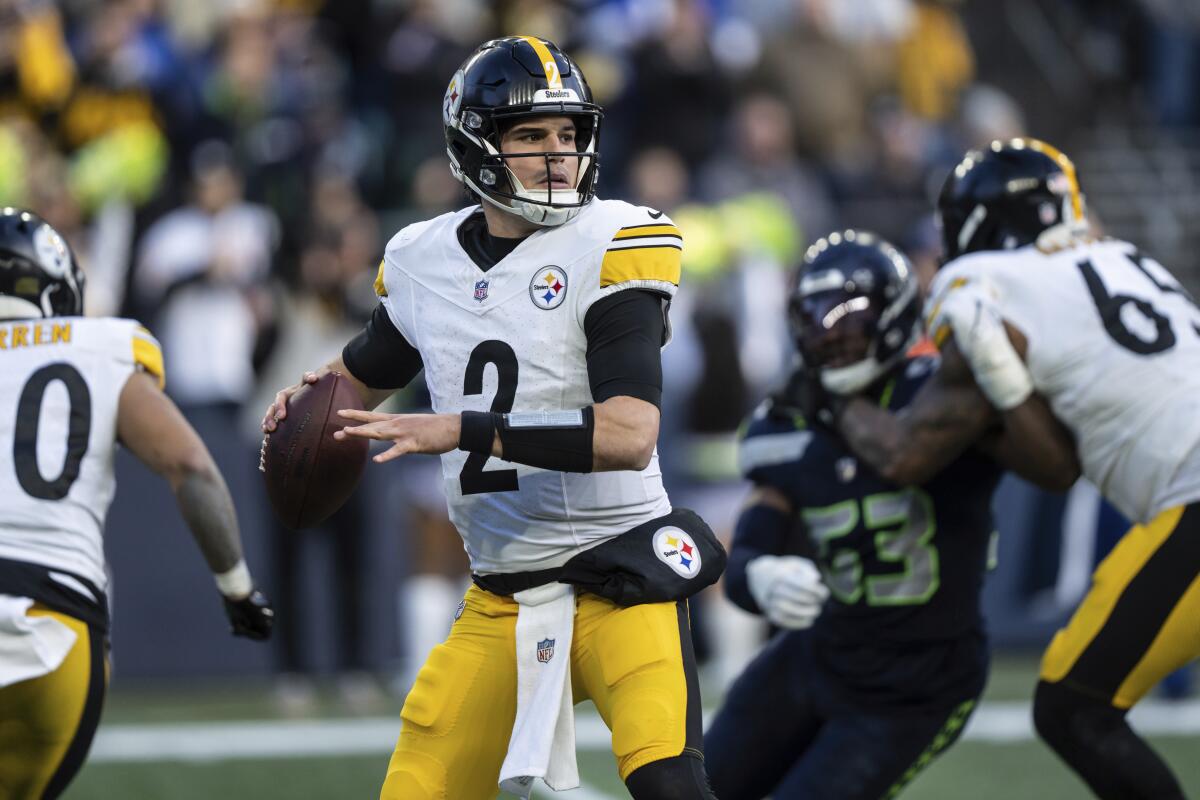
(39, 276)
(1007, 196)
(855, 309)
(503, 81)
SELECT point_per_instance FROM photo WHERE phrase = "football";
(310, 474)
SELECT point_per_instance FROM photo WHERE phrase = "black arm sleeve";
(625, 333)
(380, 356)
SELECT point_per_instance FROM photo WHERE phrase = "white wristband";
(235, 583)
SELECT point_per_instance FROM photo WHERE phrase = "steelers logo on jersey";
(548, 287)
(677, 550)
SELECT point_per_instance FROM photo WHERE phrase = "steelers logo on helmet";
(548, 287)
(677, 550)
(51, 250)
(453, 98)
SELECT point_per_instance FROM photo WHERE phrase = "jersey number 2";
(473, 479)
(79, 428)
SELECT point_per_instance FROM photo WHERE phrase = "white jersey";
(512, 339)
(1114, 346)
(60, 383)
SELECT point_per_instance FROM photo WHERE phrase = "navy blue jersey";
(904, 565)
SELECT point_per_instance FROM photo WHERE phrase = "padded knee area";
(1065, 718)
(1095, 740)
(678, 778)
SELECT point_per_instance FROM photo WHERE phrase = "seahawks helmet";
(1009, 195)
(855, 309)
(39, 276)
(504, 81)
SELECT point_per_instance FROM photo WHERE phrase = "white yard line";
(218, 741)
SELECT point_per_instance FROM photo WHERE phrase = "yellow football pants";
(1138, 622)
(635, 664)
(47, 723)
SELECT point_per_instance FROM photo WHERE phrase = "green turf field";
(978, 769)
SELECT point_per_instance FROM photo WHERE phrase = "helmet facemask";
(494, 180)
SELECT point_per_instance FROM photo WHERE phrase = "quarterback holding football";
(538, 314)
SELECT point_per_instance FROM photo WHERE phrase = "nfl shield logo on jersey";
(677, 550)
(545, 650)
(481, 288)
(548, 287)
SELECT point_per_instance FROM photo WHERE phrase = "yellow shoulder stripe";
(657, 263)
(639, 231)
(380, 289)
(148, 355)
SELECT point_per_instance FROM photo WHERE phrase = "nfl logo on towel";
(545, 650)
(481, 288)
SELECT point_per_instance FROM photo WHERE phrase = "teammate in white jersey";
(1112, 342)
(538, 317)
(71, 388)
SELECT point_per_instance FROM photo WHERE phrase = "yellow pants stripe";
(1137, 622)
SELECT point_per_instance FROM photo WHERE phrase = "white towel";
(30, 647)
(543, 735)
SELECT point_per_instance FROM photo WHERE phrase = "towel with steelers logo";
(665, 559)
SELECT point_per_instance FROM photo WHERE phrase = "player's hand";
(432, 434)
(278, 408)
(970, 313)
(788, 590)
(252, 616)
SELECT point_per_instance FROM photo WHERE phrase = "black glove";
(252, 616)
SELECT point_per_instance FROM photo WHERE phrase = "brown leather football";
(310, 474)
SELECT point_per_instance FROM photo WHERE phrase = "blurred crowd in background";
(228, 172)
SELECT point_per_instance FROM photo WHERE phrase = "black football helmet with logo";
(504, 81)
(39, 276)
(854, 310)
(1009, 195)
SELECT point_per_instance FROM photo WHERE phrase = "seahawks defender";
(896, 655)
(1112, 341)
(538, 316)
(71, 388)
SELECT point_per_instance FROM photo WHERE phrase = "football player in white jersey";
(1111, 340)
(538, 316)
(71, 388)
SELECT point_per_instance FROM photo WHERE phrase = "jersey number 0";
(29, 414)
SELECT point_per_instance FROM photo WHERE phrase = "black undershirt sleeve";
(625, 333)
(380, 356)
